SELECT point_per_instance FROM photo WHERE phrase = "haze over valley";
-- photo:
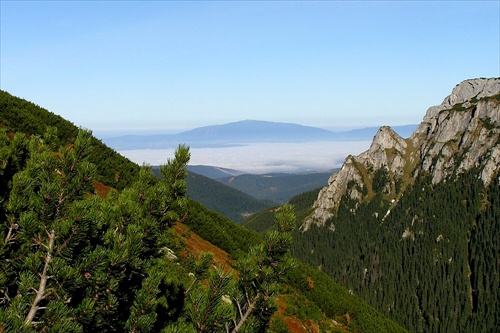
(254, 146)
(261, 158)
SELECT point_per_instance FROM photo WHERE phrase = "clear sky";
(162, 66)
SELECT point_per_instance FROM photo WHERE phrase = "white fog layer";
(262, 157)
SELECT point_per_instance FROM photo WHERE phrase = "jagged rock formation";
(461, 133)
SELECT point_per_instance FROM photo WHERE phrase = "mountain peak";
(461, 133)
(466, 91)
(386, 138)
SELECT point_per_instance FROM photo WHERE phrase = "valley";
(242, 195)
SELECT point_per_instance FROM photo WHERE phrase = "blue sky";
(158, 66)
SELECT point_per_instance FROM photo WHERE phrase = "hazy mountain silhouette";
(245, 132)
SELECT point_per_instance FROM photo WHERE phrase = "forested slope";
(277, 187)
(19, 115)
(432, 264)
(226, 200)
(412, 225)
(260, 222)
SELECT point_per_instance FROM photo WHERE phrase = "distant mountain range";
(245, 132)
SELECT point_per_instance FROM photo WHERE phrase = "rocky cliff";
(461, 133)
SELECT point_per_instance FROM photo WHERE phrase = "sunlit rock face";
(461, 133)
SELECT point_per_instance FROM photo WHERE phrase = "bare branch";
(239, 308)
(10, 235)
(40, 294)
(247, 314)
(191, 286)
(5, 298)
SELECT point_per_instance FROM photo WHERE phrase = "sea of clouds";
(260, 158)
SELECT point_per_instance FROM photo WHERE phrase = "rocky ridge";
(461, 133)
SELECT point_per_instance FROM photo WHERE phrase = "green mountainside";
(225, 200)
(412, 225)
(260, 222)
(277, 187)
(75, 261)
(432, 265)
(422, 272)
(234, 198)
(22, 116)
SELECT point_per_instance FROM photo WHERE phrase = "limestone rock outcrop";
(461, 133)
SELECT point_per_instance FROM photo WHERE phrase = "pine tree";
(73, 261)
(244, 304)
(261, 271)
(43, 227)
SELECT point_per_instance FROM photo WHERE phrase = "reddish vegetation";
(100, 189)
(310, 282)
(195, 244)
(295, 324)
(280, 302)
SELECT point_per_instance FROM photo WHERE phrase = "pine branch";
(247, 314)
(5, 299)
(62, 246)
(40, 294)
(240, 311)
(10, 236)
(191, 286)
